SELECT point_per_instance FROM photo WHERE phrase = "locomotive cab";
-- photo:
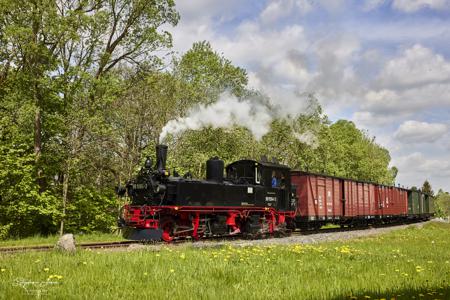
(272, 180)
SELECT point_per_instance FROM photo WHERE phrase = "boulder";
(66, 243)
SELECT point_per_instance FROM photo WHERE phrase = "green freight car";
(420, 205)
(428, 205)
(414, 203)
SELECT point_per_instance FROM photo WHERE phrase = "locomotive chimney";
(214, 169)
(161, 157)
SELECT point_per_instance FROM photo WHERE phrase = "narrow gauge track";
(103, 245)
(109, 245)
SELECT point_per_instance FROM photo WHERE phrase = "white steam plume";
(224, 113)
(308, 137)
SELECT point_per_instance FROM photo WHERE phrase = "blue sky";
(384, 64)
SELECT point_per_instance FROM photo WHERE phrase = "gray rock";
(66, 243)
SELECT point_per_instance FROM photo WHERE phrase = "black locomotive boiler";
(251, 198)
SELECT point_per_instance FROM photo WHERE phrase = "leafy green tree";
(442, 204)
(426, 188)
(208, 74)
(58, 59)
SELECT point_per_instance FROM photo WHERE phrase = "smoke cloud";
(249, 113)
(224, 113)
(308, 137)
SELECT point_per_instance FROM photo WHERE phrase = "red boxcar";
(359, 199)
(327, 199)
(319, 196)
(391, 200)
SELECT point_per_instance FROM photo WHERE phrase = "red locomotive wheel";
(168, 226)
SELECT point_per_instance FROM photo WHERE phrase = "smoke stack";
(161, 157)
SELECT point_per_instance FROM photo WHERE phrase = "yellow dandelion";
(382, 298)
(430, 261)
(145, 273)
(158, 255)
(367, 297)
(84, 263)
(397, 270)
(182, 256)
(381, 274)
(3, 270)
(447, 262)
(46, 269)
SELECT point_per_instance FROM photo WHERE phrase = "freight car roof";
(344, 178)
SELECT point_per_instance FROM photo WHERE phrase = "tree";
(442, 204)
(208, 74)
(426, 188)
(58, 59)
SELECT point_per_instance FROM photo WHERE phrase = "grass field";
(52, 239)
(406, 264)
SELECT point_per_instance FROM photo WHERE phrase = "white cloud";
(372, 4)
(417, 66)
(420, 132)
(410, 6)
(418, 163)
(278, 9)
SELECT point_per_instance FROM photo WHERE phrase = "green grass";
(405, 264)
(52, 239)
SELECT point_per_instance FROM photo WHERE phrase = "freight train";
(256, 198)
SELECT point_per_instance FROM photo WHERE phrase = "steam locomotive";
(254, 199)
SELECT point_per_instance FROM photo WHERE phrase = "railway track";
(103, 245)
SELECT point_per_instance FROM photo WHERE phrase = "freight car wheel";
(167, 226)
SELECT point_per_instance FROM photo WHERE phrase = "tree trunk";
(38, 145)
(65, 189)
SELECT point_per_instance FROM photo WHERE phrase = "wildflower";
(381, 274)
(145, 273)
(367, 297)
(46, 269)
(158, 255)
(3, 270)
(182, 256)
(84, 263)
(430, 261)
(55, 277)
(172, 270)
(447, 262)
(37, 260)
